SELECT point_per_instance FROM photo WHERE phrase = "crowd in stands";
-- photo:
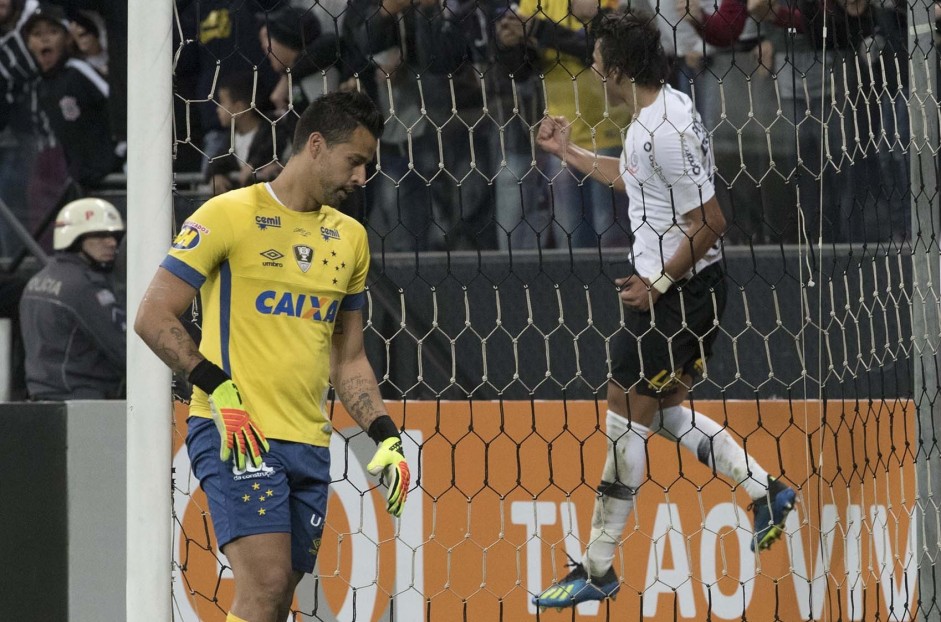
(62, 105)
(465, 84)
(798, 95)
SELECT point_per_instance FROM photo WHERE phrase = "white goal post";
(150, 206)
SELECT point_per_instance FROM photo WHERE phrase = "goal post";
(149, 210)
(926, 286)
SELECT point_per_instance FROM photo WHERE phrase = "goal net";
(492, 305)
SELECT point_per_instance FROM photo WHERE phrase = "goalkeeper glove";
(233, 422)
(389, 464)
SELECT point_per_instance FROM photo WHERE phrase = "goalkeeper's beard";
(337, 195)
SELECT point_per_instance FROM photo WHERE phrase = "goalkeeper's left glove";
(389, 463)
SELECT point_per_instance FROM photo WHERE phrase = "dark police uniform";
(73, 331)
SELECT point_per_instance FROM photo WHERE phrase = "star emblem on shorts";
(261, 512)
(262, 498)
(269, 492)
(256, 486)
(245, 498)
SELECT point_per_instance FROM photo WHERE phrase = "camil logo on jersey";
(329, 234)
(265, 222)
(304, 306)
(303, 255)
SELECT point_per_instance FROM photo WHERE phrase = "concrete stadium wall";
(63, 511)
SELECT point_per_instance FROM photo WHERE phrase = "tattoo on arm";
(361, 398)
(176, 348)
(338, 325)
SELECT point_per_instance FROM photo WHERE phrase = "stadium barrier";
(63, 512)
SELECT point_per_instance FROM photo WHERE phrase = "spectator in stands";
(18, 144)
(689, 55)
(725, 26)
(737, 80)
(73, 96)
(87, 31)
(514, 108)
(73, 328)
(422, 52)
(294, 43)
(827, 33)
(582, 208)
(253, 155)
(18, 68)
(218, 37)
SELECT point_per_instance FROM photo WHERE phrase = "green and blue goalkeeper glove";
(389, 464)
(228, 412)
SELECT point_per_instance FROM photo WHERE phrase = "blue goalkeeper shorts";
(286, 494)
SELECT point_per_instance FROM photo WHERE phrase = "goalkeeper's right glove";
(234, 424)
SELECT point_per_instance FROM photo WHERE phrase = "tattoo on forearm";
(338, 325)
(175, 347)
(359, 395)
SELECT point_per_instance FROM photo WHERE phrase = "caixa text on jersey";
(305, 306)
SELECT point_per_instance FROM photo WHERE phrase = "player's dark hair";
(336, 116)
(240, 85)
(630, 44)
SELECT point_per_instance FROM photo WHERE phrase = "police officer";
(73, 327)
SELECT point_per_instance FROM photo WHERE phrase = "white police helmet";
(84, 216)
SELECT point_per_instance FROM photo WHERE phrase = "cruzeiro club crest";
(303, 255)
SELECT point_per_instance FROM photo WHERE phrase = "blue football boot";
(771, 513)
(577, 588)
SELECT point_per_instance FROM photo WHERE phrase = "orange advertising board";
(503, 492)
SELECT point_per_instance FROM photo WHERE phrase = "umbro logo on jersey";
(304, 255)
(264, 222)
(272, 256)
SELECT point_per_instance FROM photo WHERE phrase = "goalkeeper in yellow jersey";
(281, 274)
(674, 295)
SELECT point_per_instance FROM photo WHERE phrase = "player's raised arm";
(553, 138)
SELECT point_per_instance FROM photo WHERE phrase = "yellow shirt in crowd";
(571, 88)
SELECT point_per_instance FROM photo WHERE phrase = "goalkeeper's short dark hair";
(630, 45)
(336, 116)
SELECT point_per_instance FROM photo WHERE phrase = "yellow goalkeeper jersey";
(272, 281)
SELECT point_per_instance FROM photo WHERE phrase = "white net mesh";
(492, 305)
